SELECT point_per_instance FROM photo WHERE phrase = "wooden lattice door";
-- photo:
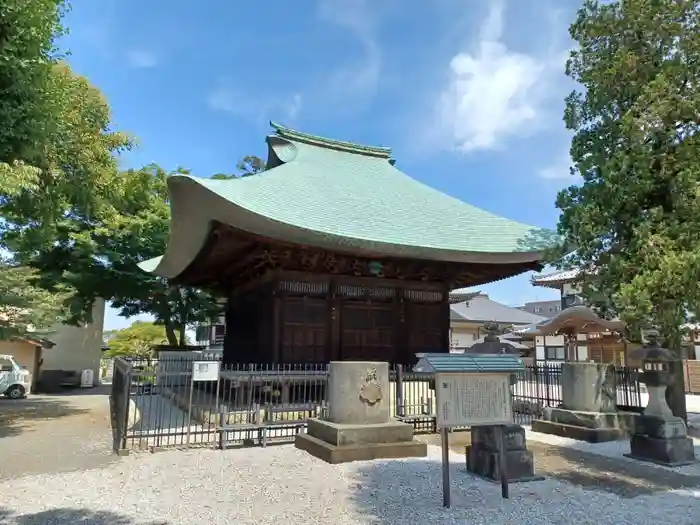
(426, 329)
(367, 331)
(304, 330)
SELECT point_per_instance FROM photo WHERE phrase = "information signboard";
(205, 371)
(473, 399)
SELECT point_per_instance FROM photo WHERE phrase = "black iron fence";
(158, 403)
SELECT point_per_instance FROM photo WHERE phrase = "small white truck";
(15, 380)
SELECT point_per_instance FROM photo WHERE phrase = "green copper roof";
(443, 363)
(340, 195)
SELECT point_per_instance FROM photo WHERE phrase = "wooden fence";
(691, 371)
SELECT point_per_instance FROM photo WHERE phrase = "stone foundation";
(359, 425)
(589, 406)
(338, 443)
(662, 440)
(593, 427)
(483, 455)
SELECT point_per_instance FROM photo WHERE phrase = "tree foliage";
(77, 169)
(634, 220)
(24, 307)
(28, 30)
(136, 340)
(101, 257)
(249, 165)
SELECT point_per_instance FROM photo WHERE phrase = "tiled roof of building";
(334, 194)
(556, 279)
(481, 309)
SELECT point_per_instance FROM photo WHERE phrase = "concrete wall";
(462, 336)
(77, 347)
(463, 333)
(22, 351)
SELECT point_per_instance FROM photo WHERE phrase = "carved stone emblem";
(371, 390)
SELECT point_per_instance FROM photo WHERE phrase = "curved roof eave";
(195, 206)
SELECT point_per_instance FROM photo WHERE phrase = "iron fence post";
(399, 391)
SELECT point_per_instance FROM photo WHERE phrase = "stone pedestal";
(589, 406)
(659, 436)
(483, 455)
(359, 425)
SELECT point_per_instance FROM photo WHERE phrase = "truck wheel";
(15, 392)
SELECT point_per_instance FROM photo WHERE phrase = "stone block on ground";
(588, 387)
(662, 440)
(483, 455)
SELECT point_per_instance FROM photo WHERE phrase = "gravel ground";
(45, 434)
(283, 485)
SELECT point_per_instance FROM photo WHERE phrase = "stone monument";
(358, 425)
(483, 454)
(659, 436)
(589, 406)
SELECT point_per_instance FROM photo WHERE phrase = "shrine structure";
(332, 253)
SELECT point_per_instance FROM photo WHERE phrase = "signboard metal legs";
(503, 471)
(501, 437)
(445, 436)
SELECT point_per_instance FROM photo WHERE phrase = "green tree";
(28, 30)
(136, 340)
(100, 259)
(24, 307)
(249, 165)
(77, 171)
(634, 220)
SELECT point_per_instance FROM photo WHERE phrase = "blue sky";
(469, 94)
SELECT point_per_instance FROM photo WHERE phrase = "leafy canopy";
(136, 340)
(28, 30)
(77, 164)
(25, 308)
(100, 258)
(634, 219)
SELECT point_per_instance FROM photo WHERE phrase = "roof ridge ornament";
(323, 142)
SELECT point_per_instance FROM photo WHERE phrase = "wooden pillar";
(445, 319)
(276, 327)
(400, 335)
(334, 306)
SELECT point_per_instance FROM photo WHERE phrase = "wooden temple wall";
(317, 319)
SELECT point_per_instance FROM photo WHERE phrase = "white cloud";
(558, 170)
(142, 59)
(356, 81)
(230, 100)
(495, 93)
(293, 107)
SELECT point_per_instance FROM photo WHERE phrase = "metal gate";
(119, 403)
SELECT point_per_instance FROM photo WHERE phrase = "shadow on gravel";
(71, 516)
(17, 416)
(619, 476)
(622, 477)
(410, 491)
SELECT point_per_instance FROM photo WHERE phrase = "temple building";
(332, 253)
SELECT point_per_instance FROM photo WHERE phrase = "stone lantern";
(659, 436)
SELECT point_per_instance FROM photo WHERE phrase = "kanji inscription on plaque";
(472, 399)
